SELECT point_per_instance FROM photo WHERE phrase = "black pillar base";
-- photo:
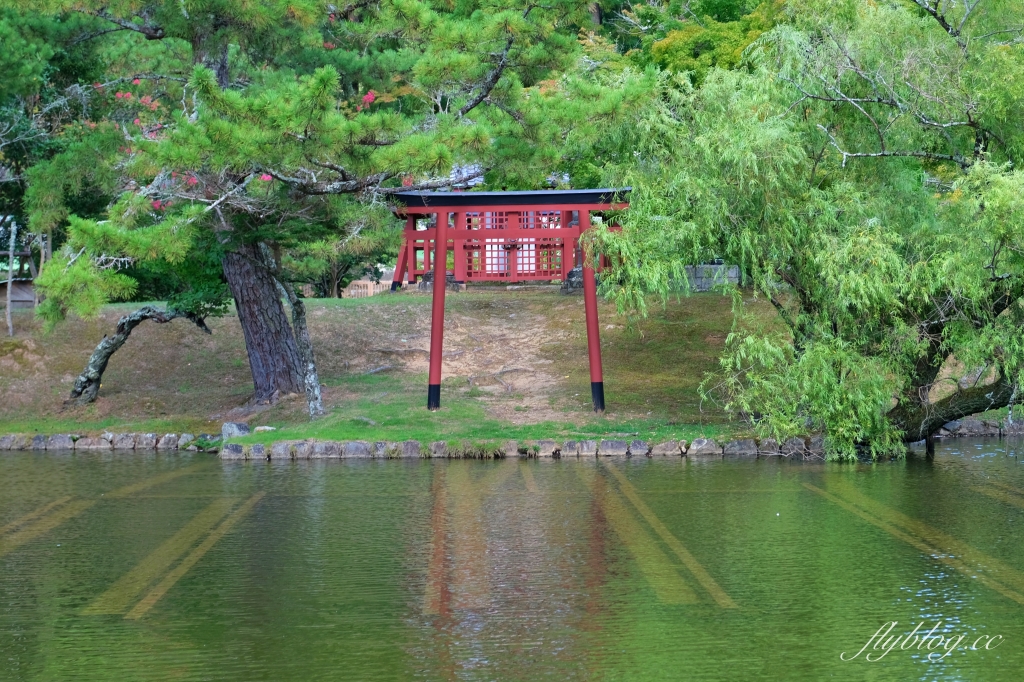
(395, 286)
(434, 397)
(597, 393)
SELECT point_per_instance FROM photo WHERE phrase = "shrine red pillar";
(437, 312)
(403, 254)
(568, 244)
(593, 326)
(459, 250)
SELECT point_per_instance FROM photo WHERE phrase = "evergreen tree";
(261, 128)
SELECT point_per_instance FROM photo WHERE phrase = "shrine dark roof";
(552, 197)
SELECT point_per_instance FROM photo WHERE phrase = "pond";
(180, 567)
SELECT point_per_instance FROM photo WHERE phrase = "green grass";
(393, 408)
(87, 426)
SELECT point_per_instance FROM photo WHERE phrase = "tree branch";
(87, 385)
(148, 30)
(492, 79)
(959, 160)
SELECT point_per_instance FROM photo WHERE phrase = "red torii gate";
(501, 236)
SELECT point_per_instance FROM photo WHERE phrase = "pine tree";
(263, 127)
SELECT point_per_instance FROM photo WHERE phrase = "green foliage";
(881, 227)
(856, 160)
(718, 41)
(79, 286)
(24, 59)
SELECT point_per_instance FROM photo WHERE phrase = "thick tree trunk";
(920, 420)
(87, 385)
(273, 355)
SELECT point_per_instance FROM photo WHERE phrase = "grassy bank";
(515, 366)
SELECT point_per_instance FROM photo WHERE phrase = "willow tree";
(859, 169)
(262, 124)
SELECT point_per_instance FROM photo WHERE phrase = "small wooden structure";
(502, 237)
(23, 293)
(362, 288)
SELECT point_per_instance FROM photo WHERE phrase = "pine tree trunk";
(87, 385)
(273, 355)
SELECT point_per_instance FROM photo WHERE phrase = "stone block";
(707, 277)
(573, 282)
(169, 441)
(639, 448)
(670, 448)
(740, 449)
(1014, 429)
(302, 449)
(410, 449)
(613, 448)
(510, 448)
(357, 449)
(8, 441)
(39, 442)
(704, 448)
(60, 441)
(123, 441)
(793, 448)
(261, 429)
(977, 427)
(545, 448)
(282, 449)
(438, 449)
(258, 451)
(588, 448)
(952, 427)
(815, 447)
(232, 451)
(327, 449)
(92, 444)
(386, 450)
(145, 441)
(233, 430)
(426, 283)
(570, 448)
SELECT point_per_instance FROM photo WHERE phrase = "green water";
(180, 567)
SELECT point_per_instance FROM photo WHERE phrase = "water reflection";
(183, 567)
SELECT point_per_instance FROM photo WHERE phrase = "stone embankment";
(808, 448)
(700, 449)
(109, 441)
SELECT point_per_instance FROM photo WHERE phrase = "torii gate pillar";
(437, 312)
(593, 326)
